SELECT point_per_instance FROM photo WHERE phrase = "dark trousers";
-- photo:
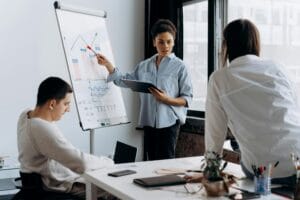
(160, 143)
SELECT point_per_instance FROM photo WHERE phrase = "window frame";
(212, 41)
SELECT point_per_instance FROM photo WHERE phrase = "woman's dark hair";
(52, 88)
(240, 37)
(161, 26)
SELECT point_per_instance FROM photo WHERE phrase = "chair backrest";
(18, 183)
(31, 181)
(30, 185)
(32, 189)
(124, 153)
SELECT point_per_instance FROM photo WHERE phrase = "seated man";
(42, 147)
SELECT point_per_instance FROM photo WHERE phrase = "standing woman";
(162, 111)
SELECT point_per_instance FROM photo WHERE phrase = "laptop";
(124, 153)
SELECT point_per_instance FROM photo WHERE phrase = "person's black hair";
(161, 26)
(240, 37)
(52, 88)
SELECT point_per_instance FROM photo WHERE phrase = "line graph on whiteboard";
(89, 79)
(99, 103)
(84, 66)
(88, 68)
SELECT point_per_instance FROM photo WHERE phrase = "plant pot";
(215, 188)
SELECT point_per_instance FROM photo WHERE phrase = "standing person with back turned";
(44, 150)
(163, 110)
(257, 98)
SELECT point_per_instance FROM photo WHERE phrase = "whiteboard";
(99, 104)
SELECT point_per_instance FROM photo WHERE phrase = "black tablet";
(138, 86)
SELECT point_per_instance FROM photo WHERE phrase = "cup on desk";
(262, 184)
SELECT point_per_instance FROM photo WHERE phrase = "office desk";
(8, 173)
(124, 188)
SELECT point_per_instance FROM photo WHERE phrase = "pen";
(276, 164)
(90, 48)
(254, 170)
(190, 170)
(224, 166)
(274, 167)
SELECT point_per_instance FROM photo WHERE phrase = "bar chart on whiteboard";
(98, 102)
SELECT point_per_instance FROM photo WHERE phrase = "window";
(278, 24)
(195, 49)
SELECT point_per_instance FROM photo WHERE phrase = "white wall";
(31, 50)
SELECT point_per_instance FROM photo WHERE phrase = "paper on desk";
(166, 171)
(231, 169)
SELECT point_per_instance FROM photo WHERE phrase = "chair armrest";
(18, 183)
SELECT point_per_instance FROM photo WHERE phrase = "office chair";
(31, 188)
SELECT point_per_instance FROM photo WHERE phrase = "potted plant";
(214, 182)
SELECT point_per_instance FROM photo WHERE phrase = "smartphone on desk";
(121, 173)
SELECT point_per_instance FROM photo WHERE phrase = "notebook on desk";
(156, 181)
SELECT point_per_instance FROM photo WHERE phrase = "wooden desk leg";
(91, 191)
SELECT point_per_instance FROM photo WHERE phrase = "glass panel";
(195, 49)
(278, 22)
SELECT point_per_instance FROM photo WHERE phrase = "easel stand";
(92, 137)
(66, 15)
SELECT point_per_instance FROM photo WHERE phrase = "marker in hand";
(90, 48)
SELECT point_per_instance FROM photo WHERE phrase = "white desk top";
(124, 188)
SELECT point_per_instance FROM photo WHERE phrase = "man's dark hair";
(52, 88)
(240, 37)
(161, 26)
